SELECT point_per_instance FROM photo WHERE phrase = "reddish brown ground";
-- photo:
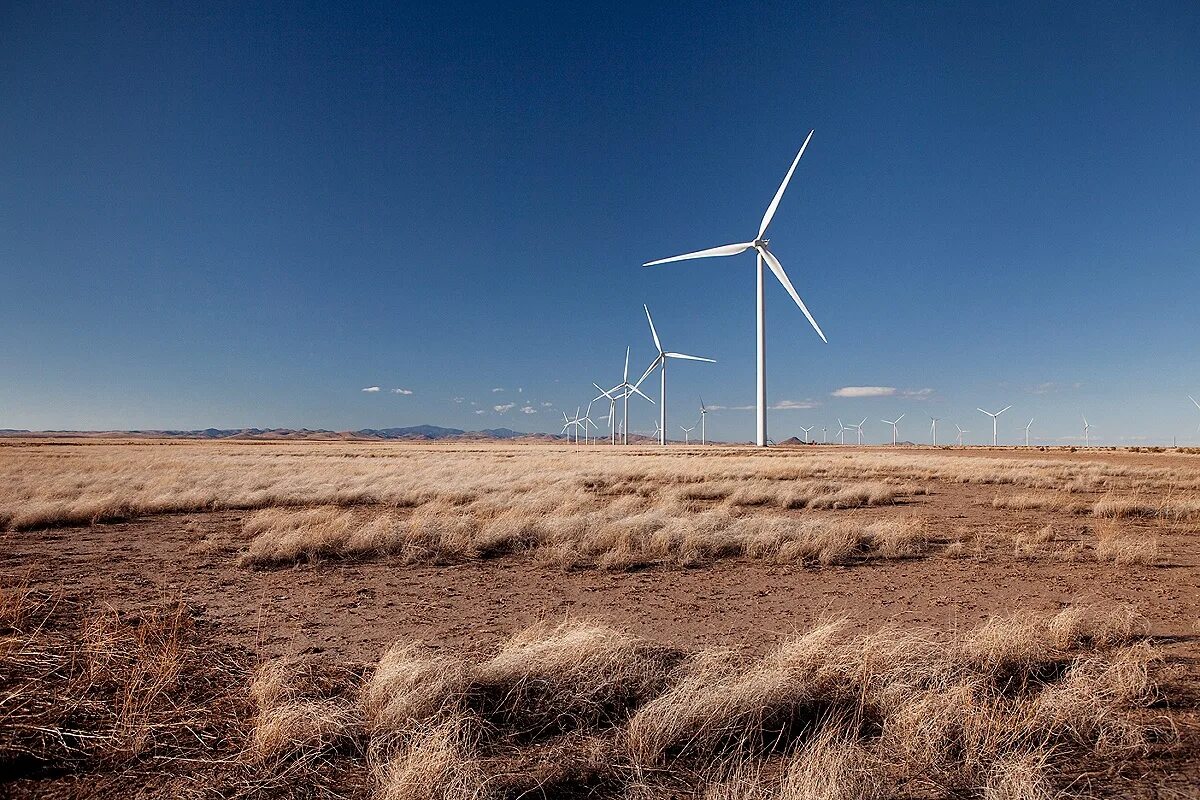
(354, 610)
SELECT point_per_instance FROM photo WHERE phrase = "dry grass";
(1017, 707)
(1121, 546)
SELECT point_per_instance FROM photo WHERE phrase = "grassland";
(142, 585)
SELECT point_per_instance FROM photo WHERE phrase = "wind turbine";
(841, 431)
(626, 388)
(612, 410)
(703, 414)
(806, 430)
(933, 431)
(763, 254)
(660, 361)
(1027, 427)
(993, 416)
(893, 423)
(824, 435)
(858, 427)
(687, 433)
(960, 433)
(587, 420)
(566, 425)
(656, 429)
(1087, 441)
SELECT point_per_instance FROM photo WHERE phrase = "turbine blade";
(723, 250)
(639, 391)
(690, 358)
(977, 408)
(777, 268)
(1193, 401)
(626, 379)
(1001, 411)
(900, 417)
(649, 369)
(654, 333)
(766, 220)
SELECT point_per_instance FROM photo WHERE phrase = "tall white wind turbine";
(960, 433)
(703, 414)
(687, 438)
(612, 410)
(993, 416)
(806, 430)
(893, 423)
(933, 431)
(1027, 427)
(824, 435)
(660, 361)
(586, 421)
(841, 431)
(858, 428)
(760, 246)
(1087, 439)
(626, 388)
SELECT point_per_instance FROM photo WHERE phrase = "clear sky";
(244, 214)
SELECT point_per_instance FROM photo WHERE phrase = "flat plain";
(396, 620)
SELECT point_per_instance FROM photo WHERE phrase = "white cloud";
(457, 399)
(917, 394)
(401, 391)
(520, 390)
(793, 405)
(503, 408)
(547, 405)
(865, 391)
(371, 389)
(481, 411)
(528, 410)
(498, 389)
(1050, 387)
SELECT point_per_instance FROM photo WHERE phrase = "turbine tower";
(858, 427)
(660, 361)
(626, 388)
(960, 433)
(806, 430)
(763, 254)
(1087, 440)
(933, 431)
(841, 431)
(893, 423)
(703, 414)
(1027, 427)
(993, 416)
(824, 435)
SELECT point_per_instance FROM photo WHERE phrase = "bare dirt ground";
(352, 610)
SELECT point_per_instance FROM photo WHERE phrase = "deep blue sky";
(229, 215)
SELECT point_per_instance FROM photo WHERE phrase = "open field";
(339, 619)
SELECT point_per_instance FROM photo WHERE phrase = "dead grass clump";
(302, 712)
(287, 536)
(1033, 544)
(412, 685)
(437, 762)
(1124, 547)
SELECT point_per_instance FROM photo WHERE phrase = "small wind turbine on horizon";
(762, 254)
(824, 435)
(933, 431)
(612, 410)
(859, 427)
(626, 388)
(1087, 441)
(960, 433)
(994, 417)
(687, 439)
(660, 361)
(894, 424)
(586, 420)
(703, 414)
(1027, 427)
(841, 431)
(806, 430)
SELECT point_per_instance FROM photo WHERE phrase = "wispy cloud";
(503, 408)
(481, 411)
(371, 389)
(917, 394)
(401, 391)
(457, 399)
(865, 391)
(1051, 387)
(498, 389)
(547, 405)
(528, 410)
(794, 405)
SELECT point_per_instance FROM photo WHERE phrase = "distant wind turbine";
(858, 427)
(933, 431)
(894, 424)
(806, 430)
(626, 388)
(1087, 441)
(660, 361)
(586, 421)
(841, 431)
(687, 439)
(1027, 427)
(993, 416)
(960, 433)
(612, 410)
(824, 435)
(763, 254)
(703, 414)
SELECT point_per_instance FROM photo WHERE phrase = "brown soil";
(354, 610)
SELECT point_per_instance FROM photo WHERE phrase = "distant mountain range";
(412, 433)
